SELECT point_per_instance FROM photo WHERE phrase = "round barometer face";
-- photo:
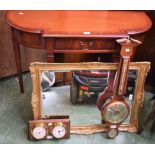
(112, 133)
(59, 131)
(39, 132)
(115, 112)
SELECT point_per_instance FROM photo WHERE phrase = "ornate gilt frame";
(142, 68)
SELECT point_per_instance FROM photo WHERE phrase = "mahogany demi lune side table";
(73, 31)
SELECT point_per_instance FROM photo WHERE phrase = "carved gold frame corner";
(142, 67)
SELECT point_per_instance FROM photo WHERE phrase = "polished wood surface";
(79, 23)
(73, 31)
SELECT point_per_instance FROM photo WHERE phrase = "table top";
(79, 23)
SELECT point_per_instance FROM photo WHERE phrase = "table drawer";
(84, 44)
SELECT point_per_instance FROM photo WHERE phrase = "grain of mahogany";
(97, 30)
(71, 23)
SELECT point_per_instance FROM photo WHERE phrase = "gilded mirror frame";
(37, 68)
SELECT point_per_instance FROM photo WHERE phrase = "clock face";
(39, 132)
(112, 133)
(116, 112)
(59, 131)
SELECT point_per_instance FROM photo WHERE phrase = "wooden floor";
(16, 110)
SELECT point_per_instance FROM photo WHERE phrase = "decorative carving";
(128, 128)
(99, 128)
(34, 102)
(35, 92)
(139, 98)
(88, 129)
(146, 69)
(33, 70)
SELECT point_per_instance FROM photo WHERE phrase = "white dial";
(59, 131)
(39, 132)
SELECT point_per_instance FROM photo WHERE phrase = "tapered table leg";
(16, 48)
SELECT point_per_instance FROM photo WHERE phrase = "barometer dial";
(39, 132)
(112, 133)
(59, 131)
(115, 112)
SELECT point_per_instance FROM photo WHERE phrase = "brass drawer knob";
(91, 43)
(81, 43)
